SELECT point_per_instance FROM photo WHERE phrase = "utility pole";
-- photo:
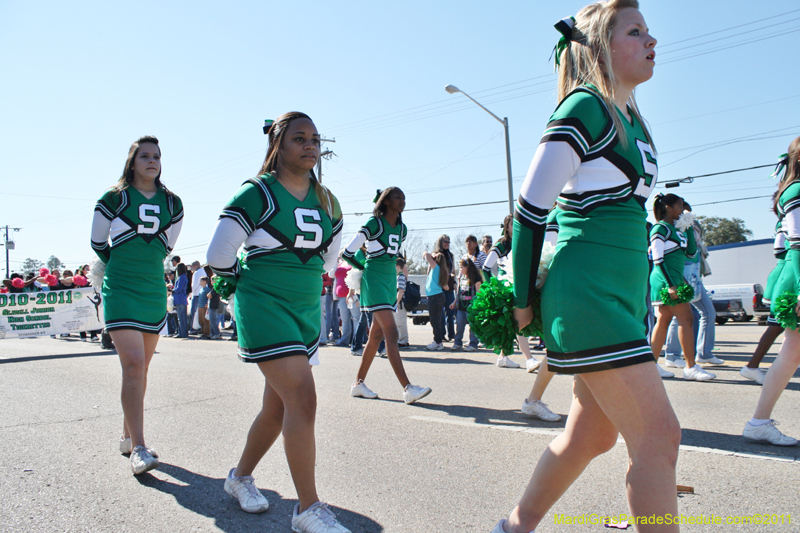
(326, 154)
(9, 246)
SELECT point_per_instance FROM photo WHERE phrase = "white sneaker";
(506, 362)
(357, 353)
(141, 461)
(125, 447)
(677, 363)
(713, 360)
(499, 527)
(470, 348)
(243, 488)
(435, 346)
(696, 373)
(665, 374)
(361, 390)
(753, 374)
(456, 348)
(539, 409)
(412, 393)
(316, 519)
(767, 433)
(532, 364)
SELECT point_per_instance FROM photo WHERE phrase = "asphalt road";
(457, 461)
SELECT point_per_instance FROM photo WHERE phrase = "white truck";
(739, 272)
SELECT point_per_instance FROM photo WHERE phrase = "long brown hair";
(473, 274)
(506, 237)
(792, 172)
(276, 133)
(380, 204)
(444, 275)
(127, 173)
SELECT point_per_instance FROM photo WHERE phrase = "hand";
(673, 293)
(523, 317)
(453, 305)
(446, 287)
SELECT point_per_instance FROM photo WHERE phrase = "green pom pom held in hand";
(491, 316)
(785, 310)
(685, 294)
(225, 288)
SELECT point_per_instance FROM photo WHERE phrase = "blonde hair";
(582, 62)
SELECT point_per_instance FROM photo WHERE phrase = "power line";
(733, 200)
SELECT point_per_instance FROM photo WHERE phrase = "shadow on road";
(205, 496)
(446, 360)
(735, 443)
(496, 417)
(98, 353)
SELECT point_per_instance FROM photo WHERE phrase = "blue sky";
(82, 81)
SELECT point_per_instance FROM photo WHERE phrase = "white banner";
(38, 314)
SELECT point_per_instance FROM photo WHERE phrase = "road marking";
(557, 431)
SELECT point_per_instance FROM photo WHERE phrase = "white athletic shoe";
(499, 527)
(435, 346)
(141, 461)
(677, 363)
(243, 488)
(316, 519)
(539, 409)
(767, 433)
(361, 390)
(506, 362)
(125, 447)
(471, 348)
(753, 374)
(665, 374)
(412, 393)
(713, 360)
(696, 373)
(532, 364)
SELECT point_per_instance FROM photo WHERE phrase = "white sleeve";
(356, 242)
(791, 221)
(228, 237)
(331, 255)
(174, 233)
(491, 259)
(553, 164)
(101, 228)
(657, 250)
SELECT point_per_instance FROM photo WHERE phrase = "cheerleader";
(596, 158)
(383, 234)
(786, 202)
(774, 329)
(290, 226)
(669, 248)
(143, 219)
(498, 258)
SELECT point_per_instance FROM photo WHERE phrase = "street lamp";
(452, 89)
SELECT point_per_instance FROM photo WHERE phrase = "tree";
(31, 265)
(412, 249)
(54, 263)
(719, 230)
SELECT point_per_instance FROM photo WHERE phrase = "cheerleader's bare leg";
(779, 374)
(135, 351)
(633, 401)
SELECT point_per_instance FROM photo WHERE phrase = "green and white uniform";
(379, 281)
(669, 249)
(779, 249)
(142, 232)
(593, 301)
(497, 255)
(288, 244)
(789, 214)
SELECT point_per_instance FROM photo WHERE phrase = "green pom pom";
(491, 316)
(224, 287)
(685, 294)
(784, 308)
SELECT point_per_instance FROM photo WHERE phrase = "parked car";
(749, 295)
(728, 310)
(419, 315)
